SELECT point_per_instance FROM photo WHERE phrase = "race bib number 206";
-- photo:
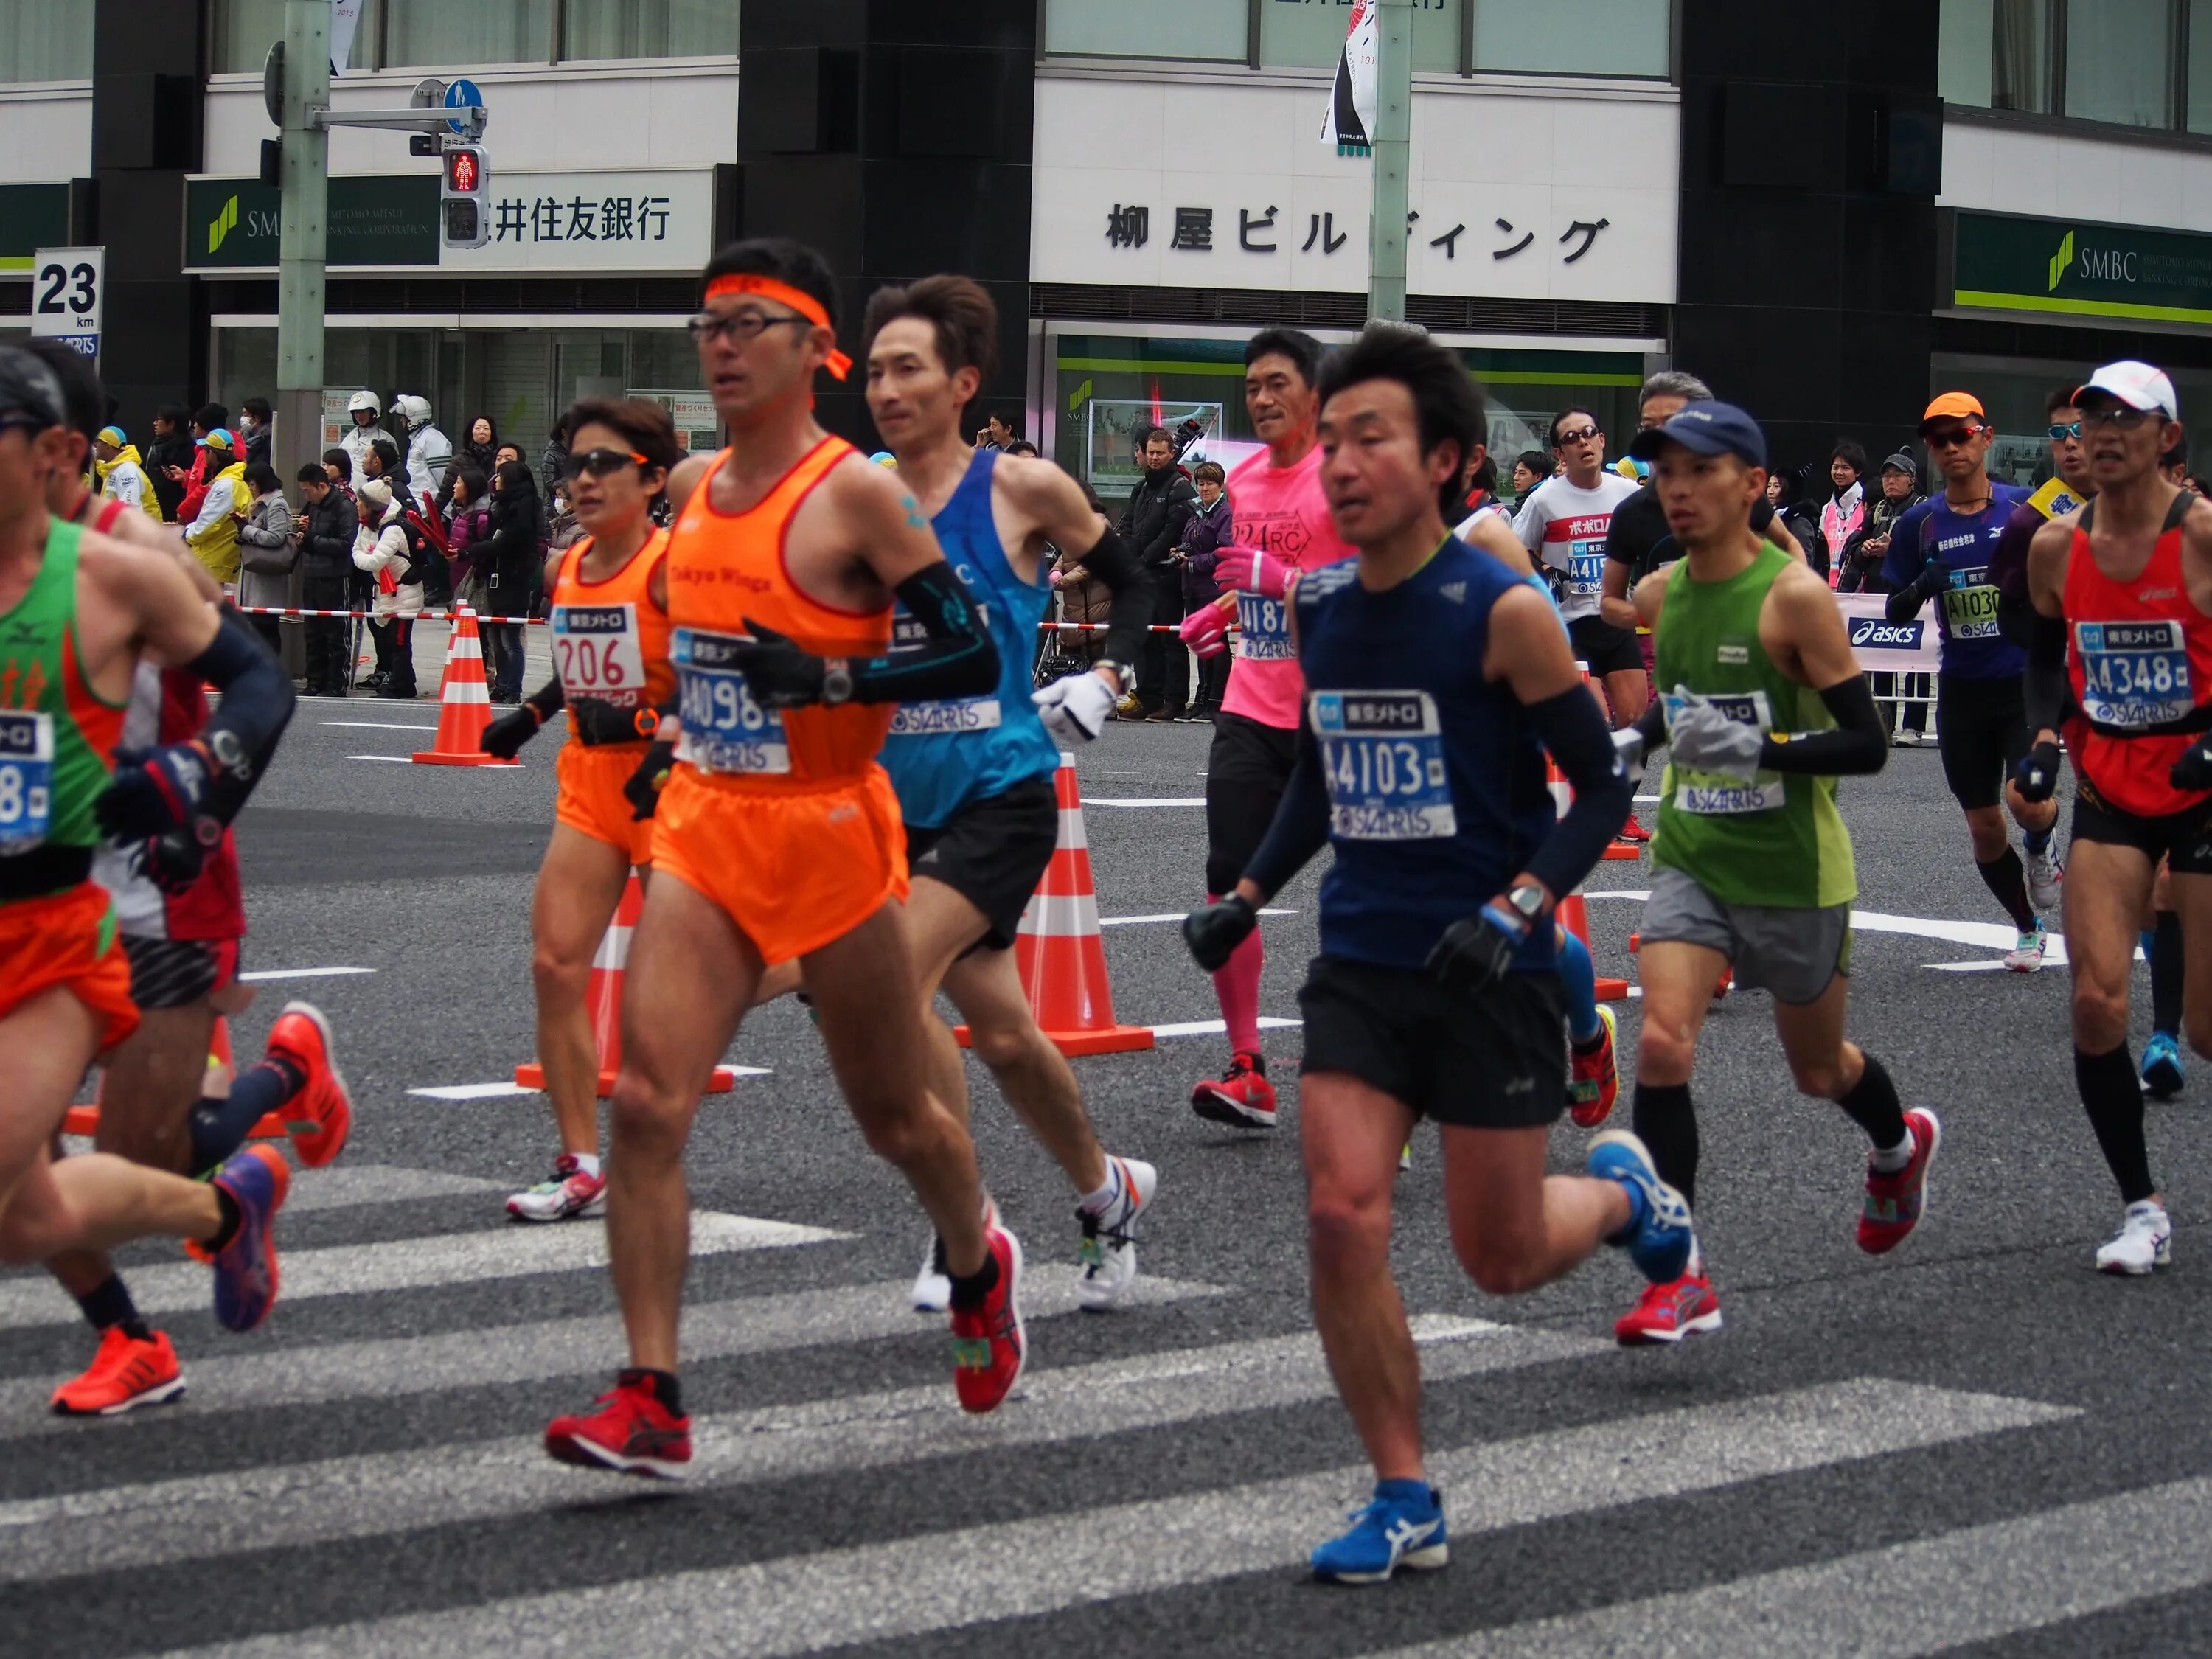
(1383, 753)
(597, 655)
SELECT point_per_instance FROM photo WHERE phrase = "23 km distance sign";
(67, 286)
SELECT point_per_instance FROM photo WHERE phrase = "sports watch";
(836, 680)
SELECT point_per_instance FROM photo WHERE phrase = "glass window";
(2019, 56)
(243, 32)
(2119, 62)
(649, 29)
(1146, 28)
(1590, 37)
(1964, 37)
(429, 32)
(1309, 33)
(45, 42)
(2200, 65)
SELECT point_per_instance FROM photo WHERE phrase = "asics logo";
(1409, 1534)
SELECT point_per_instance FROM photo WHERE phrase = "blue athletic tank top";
(1437, 785)
(1966, 608)
(942, 756)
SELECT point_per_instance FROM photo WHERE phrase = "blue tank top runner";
(1437, 785)
(944, 756)
(1966, 607)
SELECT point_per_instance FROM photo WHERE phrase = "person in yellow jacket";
(122, 472)
(213, 533)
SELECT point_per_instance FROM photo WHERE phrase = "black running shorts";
(993, 854)
(1495, 1059)
(1981, 731)
(1606, 649)
(2184, 838)
(175, 973)
(1247, 770)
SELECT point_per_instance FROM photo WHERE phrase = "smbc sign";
(2064, 267)
(237, 224)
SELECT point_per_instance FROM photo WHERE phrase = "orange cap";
(1954, 406)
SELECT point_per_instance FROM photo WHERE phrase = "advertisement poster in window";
(698, 428)
(1110, 448)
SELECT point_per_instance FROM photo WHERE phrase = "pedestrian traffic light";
(464, 195)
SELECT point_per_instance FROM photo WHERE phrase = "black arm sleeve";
(958, 661)
(2042, 686)
(1131, 612)
(1858, 746)
(548, 698)
(1300, 829)
(1905, 603)
(1576, 733)
(255, 706)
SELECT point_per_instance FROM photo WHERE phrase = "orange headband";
(805, 304)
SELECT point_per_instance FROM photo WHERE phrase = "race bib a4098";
(26, 772)
(724, 729)
(1383, 753)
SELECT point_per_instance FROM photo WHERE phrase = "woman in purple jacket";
(1206, 534)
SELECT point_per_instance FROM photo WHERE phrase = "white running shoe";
(2144, 1241)
(1109, 1240)
(2026, 956)
(1906, 738)
(2045, 880)
(933, 1290)
(570, 1195)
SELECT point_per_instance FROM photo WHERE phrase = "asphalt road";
(1976, 1444)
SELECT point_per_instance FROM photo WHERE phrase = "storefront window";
(649, 29)
(2013, 391)
(1192, 29)
(435, 31)
(45, 43)
(2200, 65)
(2119, 62)
(1595, 37)
(1309, 33)
(1963, 40)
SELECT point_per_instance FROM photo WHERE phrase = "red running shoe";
(1240, 1097)
(1593, 1079)
(631, 1432)
(125, 1373)
(1633, 832)
(988, 1344)
(1669, 1312)
(320, 1116)
(1895, 1203)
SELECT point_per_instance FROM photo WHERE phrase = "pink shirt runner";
(1281, 511)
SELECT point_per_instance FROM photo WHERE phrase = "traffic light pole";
(305, 198)
(1394, 130)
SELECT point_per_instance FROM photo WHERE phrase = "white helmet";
(416, 410)
(366, 400)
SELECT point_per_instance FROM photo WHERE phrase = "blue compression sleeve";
(1578, 979)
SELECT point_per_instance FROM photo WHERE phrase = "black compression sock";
(663, 1384)
(1668, 1126)
(228, 1230)
(2165, 974)
(970, 1292)
(107, 1305)
(2113, 1099)
(2008, 882)
(1873, 1105)
(220, 1127)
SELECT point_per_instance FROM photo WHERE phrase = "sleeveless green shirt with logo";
(1778, 840)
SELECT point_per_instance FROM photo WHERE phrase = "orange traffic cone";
(464, 701)
(1571, 914)
(85, 1119)
(605, 999)
(1059, 950)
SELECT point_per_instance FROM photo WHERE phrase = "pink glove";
(1252, 571)
(1205, 630)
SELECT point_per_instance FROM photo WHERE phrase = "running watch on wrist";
(1527, 900)
(1122, 676)
(836, 680)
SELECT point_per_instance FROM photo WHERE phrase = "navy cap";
(28, 387)
(1711, 428)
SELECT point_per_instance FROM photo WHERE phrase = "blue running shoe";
(2162, 1072)
(257, 1180)
(1402, 1527)
(1659, 1240)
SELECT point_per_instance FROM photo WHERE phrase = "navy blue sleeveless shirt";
(1436, 782)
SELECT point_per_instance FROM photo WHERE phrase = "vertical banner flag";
(1350, 116)
(345, 17)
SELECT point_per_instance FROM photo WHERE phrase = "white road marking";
(377, 726)
(393, 760)
(507, 1090)
(1168, 915)
(1220, 1028)
(299, 973)
(1144, 800)
(814, 1598)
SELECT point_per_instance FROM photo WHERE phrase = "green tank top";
(56, 735)
(1778, 840)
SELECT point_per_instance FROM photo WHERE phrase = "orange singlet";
(781, 817)
(611, 650)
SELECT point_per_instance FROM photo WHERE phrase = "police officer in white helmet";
(365, 410)
(430, 452)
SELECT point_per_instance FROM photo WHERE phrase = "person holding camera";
(1152, 527)
(1208, 532)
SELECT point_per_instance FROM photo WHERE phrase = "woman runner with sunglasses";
(609, 599)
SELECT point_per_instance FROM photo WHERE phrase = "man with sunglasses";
(1565, 525)
(1942, 549)
(2122, 662)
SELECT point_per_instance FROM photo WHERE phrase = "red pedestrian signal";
(463, 164)
(465, 194)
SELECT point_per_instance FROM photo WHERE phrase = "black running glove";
(645, 784)
(1214, 931)
(779, 672)
(2036, 776)
(172, 861)
(505, 735)
(1478, 950)
(2193, 769)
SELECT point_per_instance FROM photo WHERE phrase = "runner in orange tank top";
(610, 615)
(2123, 596)
(777, 834)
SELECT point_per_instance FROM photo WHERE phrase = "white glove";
(1074, 709)
(1628, 744)
(1706, 740)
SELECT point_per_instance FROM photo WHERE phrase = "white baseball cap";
(2136, 385)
